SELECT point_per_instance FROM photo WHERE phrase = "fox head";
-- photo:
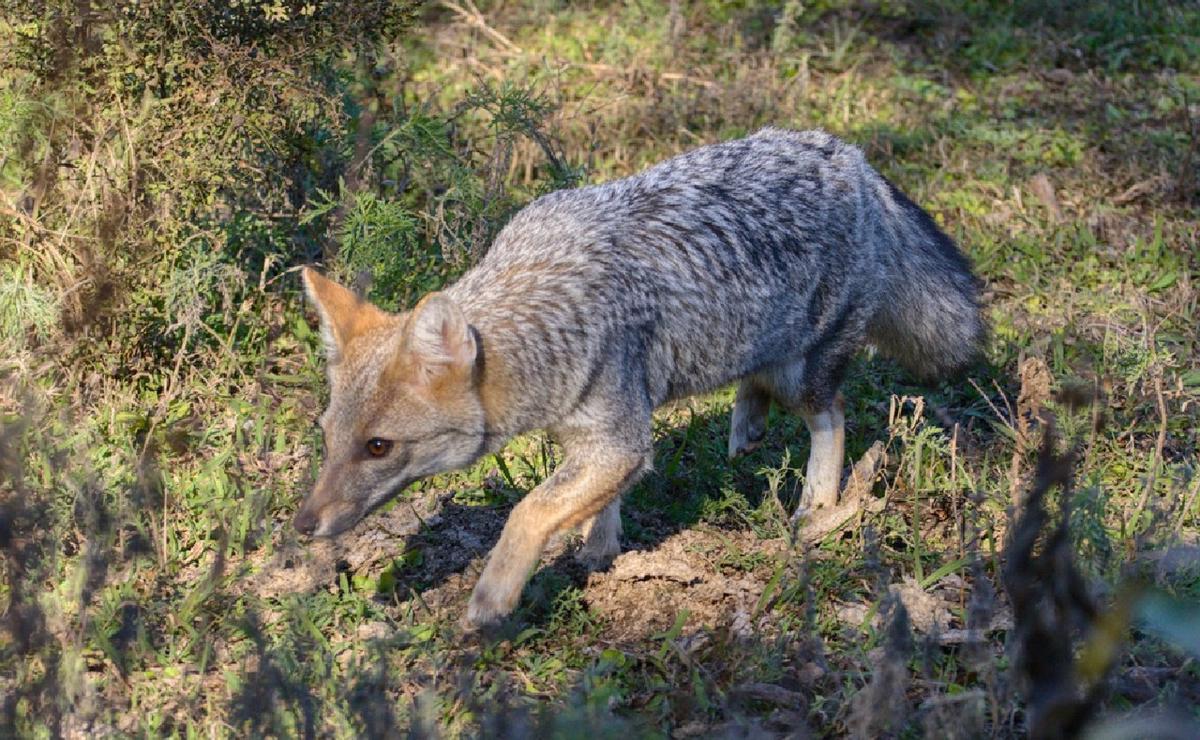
(404, 402)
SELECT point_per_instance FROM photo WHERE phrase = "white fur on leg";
(827, 430)
(601, 537)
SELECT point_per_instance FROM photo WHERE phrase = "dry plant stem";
(1188, 506)
(1183, 190)
(1021, 428)
(959, 514)
(1156, 462)
(1097, 421)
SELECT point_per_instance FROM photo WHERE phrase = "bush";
(143, 129)
(154, 138)
(164, 166)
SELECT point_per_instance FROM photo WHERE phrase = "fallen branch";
(855, 498)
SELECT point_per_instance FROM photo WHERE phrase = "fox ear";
(440, 338)
(343, 314)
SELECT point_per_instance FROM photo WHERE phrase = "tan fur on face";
(344, 315)
(412, 379)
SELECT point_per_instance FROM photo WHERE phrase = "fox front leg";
(579, 489)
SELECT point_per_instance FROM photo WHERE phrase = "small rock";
(638, 566)
(926, 612)
(374, 631)
(692, 729)
(854, 613)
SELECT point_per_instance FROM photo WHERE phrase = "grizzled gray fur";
(768, 260)
(720, 263)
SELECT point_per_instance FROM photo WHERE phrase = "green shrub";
(27, 310)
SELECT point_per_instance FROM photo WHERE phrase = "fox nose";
(305, 521)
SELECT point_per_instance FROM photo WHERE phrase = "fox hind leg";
(601, 537)
(748, 424)
(815, 398)
(827, 432)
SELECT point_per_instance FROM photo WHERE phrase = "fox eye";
(377, 447)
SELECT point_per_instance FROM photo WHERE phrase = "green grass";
(153, 585)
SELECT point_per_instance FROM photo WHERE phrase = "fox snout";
(327, 521)
(324, 513)
(315, 509)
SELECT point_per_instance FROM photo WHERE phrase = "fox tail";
(929, 318)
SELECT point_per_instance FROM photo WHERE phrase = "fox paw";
(597, 556)
(746, 434)
(483, 612)
(489, 606)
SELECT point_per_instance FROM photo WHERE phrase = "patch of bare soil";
(644, 590)
(449, 536)
(638, 595)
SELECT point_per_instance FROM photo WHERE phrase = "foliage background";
(164, 167)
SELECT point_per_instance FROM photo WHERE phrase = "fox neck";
(502, 414)
(521, 363)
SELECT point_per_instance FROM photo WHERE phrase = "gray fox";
(767, 260)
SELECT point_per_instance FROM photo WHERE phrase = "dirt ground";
(637, 596)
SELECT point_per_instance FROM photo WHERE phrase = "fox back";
(714, 265)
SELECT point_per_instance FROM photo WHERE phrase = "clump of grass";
(27, 310)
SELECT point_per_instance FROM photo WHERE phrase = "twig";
(662, 76)
(770, 694)
(855, 499)
(1188, 504)
(1193, 132)
(473, 17)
